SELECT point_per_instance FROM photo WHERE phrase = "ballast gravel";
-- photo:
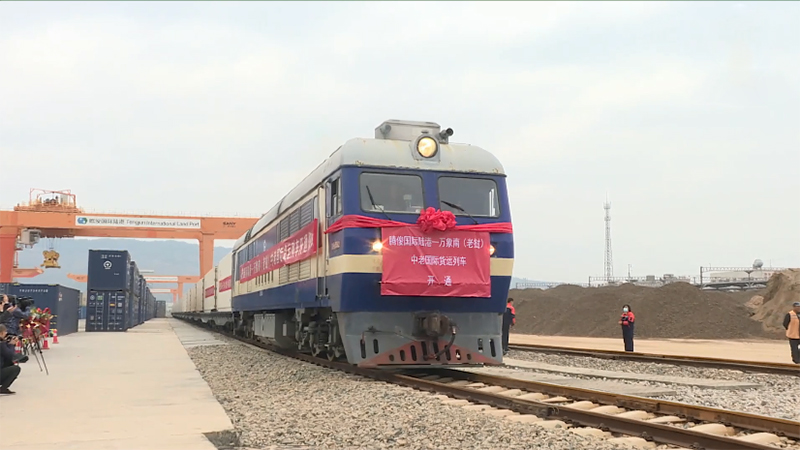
(275, 401)
(778, 397)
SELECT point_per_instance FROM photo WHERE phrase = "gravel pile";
(675, 311)
(779, 397)
(277, 401)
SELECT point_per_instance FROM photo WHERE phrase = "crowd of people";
(10, 317)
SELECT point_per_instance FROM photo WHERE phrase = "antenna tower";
(609, 265)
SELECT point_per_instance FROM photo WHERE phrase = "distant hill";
(164, 257)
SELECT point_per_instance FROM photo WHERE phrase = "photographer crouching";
(8, 370)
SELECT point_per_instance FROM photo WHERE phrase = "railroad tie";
(761, 438)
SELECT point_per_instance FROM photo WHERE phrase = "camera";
(22, 303)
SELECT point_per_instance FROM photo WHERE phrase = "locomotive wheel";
(335, 353)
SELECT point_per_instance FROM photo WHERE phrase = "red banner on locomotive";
(436, 263)
(297, 247)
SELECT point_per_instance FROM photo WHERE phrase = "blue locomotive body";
(330, 302)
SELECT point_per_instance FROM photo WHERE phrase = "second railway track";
(714, 363)
(657, 421)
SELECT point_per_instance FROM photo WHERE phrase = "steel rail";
(716, 363)
(753, 422)
(664, 434)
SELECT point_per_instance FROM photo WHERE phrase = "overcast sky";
(686, 114)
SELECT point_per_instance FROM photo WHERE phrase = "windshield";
(391, 193)
(478, 196)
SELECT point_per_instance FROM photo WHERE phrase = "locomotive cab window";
(475, 197)
(334, 205)
(391, 193)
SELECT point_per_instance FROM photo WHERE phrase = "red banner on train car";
(436, 263)
(210, 291)
(225, 284)
(297, 247)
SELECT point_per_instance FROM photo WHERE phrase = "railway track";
(715, 363)
(600, 414)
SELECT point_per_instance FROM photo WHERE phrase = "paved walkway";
(699, 382)
(136, 390)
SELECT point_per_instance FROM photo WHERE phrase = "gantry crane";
(55, 214)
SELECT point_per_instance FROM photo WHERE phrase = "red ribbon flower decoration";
(432, 219)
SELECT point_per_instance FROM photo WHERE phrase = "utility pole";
(609, 266)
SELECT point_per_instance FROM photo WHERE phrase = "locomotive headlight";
(377, 246)
(491, 250)
(427, 147)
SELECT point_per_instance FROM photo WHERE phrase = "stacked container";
(109, 290)
(161, 309)
(118, 297)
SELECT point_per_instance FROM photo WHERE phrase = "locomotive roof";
(385, 153)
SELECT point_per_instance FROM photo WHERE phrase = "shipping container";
(224, 282)
(107, 310)
(209, 291)
(4, 288)
(82, 312)
(136, 286)
(131, 317)
(62, 301)
(161, 309)
(199, 289)
(109, 270)
(146, 304)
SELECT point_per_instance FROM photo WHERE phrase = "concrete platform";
(753, 350)
(128, 391)
(598, 385)
(699, 382)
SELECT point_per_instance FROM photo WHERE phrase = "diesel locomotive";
(395, 251)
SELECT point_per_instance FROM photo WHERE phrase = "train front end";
(420, 252)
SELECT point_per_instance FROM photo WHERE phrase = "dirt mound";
(783, 289)
(754, 303)
(676, 310)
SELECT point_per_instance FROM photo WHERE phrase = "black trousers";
(627, 337)
(795, 343)
(8, 375)
(506, 331)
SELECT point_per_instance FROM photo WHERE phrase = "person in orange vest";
(792, 324)
(509, 320)
(626, 321)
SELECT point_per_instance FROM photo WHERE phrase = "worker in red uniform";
(791, 321)
(626, 321)
(509, 320)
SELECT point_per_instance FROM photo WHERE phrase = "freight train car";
(395, 251)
